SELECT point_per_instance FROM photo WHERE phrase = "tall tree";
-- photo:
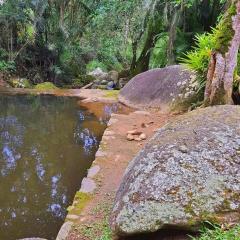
(223, 62)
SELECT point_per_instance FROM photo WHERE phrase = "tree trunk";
(223, 63)
(172, 35)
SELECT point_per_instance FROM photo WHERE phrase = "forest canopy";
(59, 40)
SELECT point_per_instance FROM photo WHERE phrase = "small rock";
(142, 113)
(64, 231)
(93, 171)
(134, 132)
(130, 137)
(104, 82)
(110, 84)
(97, 81)
(143, 136)
(100, 153)
(138, 139)
(144, 125)
(88, 185)
(102, 87)
(183, 149)
(113, 76)
(72, 217)
(109, 133)
(112, 121)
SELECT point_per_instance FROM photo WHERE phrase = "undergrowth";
(218, 233)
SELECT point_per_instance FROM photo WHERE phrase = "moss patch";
(111, 94)
(224, 32)
(45, 86)
(98, 230)
(80, 201)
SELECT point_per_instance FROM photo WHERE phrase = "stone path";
(104, 177)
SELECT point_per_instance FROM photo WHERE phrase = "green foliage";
(45, 86)
(82, 80)
(198, 58)
(60, 45)
(7, 66)
(95, 64)
(219, 234)
(158, 56)
(224, 31)
(218, 40)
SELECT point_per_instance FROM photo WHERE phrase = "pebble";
(109, 133)
(72, 217)
(142, 112)
(64, 231)
(130, 137)
(93, 171)
(143, 136)
(134, 132)
(112, 121)
(183, 149)
(100, 153)
(88, 185)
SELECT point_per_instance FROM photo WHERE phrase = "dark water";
(46, 145)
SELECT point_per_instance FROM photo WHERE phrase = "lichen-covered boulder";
(188, 173)
(156, 88)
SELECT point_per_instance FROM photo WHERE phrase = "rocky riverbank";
(88, 215)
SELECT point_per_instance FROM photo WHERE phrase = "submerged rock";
(156, 88)
(188, 173)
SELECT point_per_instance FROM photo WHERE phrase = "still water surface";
(46, 145)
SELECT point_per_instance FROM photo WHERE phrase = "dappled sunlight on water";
(46, 145)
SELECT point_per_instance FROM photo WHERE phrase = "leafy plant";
(198, 58)
(217, 233)
(7, 66)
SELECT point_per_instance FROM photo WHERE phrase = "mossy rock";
(45, 86)
(80, 201)
(20, 83)
(187, 174)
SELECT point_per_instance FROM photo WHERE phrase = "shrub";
(7, 66)
(198, 58)
(218, 40)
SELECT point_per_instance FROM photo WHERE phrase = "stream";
(47, 144)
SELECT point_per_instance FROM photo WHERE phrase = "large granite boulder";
(188, 173)
(156, 88)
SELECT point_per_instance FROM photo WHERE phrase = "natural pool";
(46, 146)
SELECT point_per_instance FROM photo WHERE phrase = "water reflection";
(46, 145)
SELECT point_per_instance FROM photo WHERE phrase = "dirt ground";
(114, 155)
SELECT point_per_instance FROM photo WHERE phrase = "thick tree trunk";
(222, 65)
